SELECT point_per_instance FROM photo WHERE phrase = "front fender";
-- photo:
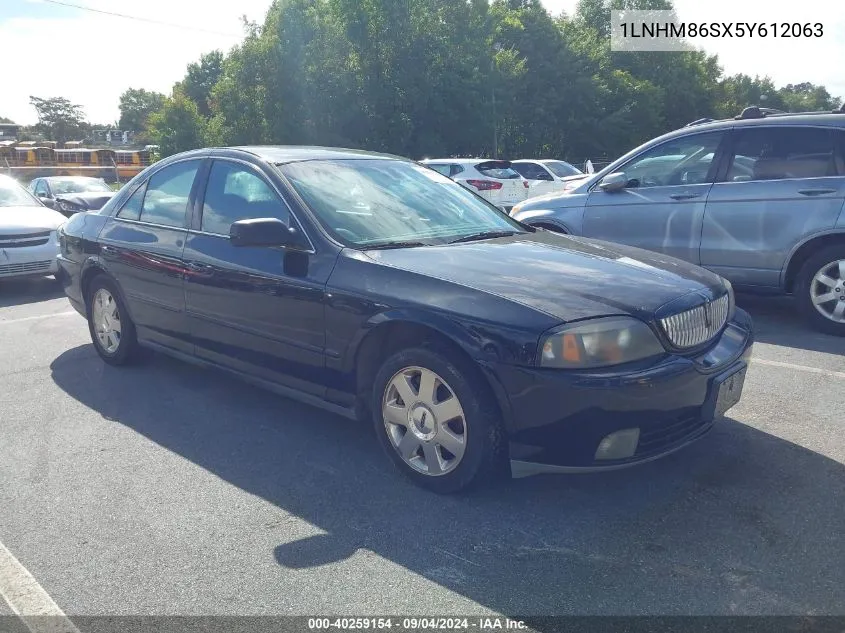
(472, 343)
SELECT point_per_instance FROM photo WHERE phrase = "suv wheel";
(821, 290)
(436, 421)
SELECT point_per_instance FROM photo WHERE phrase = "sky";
(105, 54)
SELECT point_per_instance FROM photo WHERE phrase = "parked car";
(547, 176)
(393, 303)
(28, 245)
(757, 199)
(494, 180)
(72, 194)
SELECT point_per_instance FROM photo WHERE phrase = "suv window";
(235, 192)
(682, 161)
(779, 153)
(497, 170)
(441, 168)
(168, 192)
(531, 171)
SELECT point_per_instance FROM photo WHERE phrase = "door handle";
(815, 192)
(197, 267)
(108, 250)
(685, 196)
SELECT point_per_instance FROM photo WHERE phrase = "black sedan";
(378, 288)
(72, 194)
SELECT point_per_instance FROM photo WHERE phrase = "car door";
(540, 181)
(141, 246)
(258, 310)
(661, 207)
(780, 185)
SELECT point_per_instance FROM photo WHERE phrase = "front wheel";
(435, 419)
(821, 290)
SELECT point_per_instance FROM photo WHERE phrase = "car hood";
(87, 199)
(564, 277)
(14, 220)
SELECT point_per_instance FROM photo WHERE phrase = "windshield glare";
(77, 185)
(13, 195)
(376, 201)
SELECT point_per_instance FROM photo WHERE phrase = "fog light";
(619, 445)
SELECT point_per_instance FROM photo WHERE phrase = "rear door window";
(783, 153)
(168, 192)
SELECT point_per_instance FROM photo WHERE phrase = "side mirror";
(614, 182)
(263, 232)
(47, 202)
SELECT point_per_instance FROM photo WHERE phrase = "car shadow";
(15, 292)
(740, 522)
(777, 321)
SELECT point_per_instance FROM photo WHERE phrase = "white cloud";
(92, 58)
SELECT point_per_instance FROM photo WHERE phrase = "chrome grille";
(26, 268)
(697, 326)
(22, 240)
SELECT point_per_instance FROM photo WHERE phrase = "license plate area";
(725, 392)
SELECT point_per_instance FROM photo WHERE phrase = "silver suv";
(757, 199)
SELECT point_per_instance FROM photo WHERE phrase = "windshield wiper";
(483, 235)
(384, 245)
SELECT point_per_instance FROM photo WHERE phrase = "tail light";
(485, 185)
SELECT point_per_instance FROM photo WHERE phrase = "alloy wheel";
(827, 291)
(424, 421)
(106, 319)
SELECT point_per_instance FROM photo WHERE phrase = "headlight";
(599, 343)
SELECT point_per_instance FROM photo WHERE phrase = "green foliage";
(452, 77)
(59, 119)
(178, 125)
(201, 78)
(136, 105)
(5, 120)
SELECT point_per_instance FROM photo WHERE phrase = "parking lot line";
(811, 370)
(35, 318)
(28, 599)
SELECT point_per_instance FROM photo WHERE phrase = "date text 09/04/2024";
(680, 30)
(415, 623)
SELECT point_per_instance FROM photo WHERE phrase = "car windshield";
(13, 195)
(561, 169)
(77, 185)
(368, 202)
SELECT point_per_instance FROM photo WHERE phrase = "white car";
(28, 244)
(547, 175)
(493, 180)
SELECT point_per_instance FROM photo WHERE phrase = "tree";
(807, 97)
(136, 105)
(59, 119)
(5, 120)
(178, 125)
(201, 78)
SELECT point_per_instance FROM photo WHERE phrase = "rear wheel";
(821, 290)
(112, 331)
(436, 421)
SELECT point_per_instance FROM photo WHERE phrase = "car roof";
(460, 161)
(279, 154)
(825, 119)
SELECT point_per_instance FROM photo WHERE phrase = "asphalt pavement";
(169, 489)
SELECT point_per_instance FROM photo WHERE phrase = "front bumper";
(29, 261)
(557, 419)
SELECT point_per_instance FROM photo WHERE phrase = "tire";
(121, 346)
(474, 430)
(830, 262)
